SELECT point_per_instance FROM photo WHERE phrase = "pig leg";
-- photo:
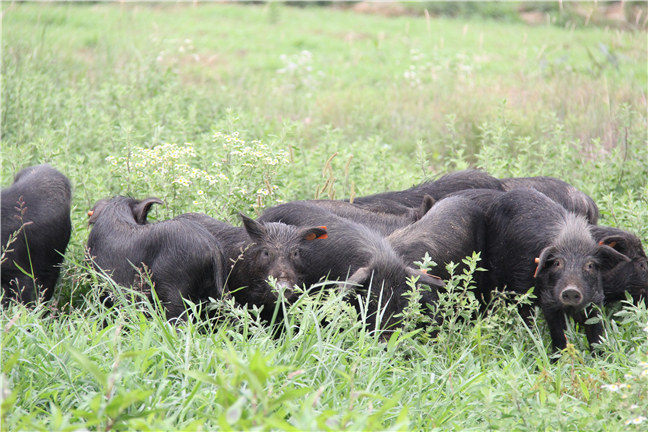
(556, 321)
(594, 331)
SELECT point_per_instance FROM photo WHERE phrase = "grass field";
(228, 108)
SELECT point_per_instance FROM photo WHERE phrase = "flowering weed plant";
(242, 176)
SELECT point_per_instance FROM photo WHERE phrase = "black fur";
(356, 253)
(384, 223)
(559, 191)
(400, 202)
(630, 276)
(452, 230)
(482, 198)
(523, 225)
(183, 259)
(46, 195)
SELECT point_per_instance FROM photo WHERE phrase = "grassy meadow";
(228, 108)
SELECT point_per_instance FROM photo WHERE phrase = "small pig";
(183, 258)
(533, 241)
(258, 251)
(559, 191)
(39, 202)
(397, 201)
(358, 254)
(630, 276)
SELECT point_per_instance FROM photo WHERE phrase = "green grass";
(82, 83)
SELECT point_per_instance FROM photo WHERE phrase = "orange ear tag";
(310, 236)
(323, 236)
(611, 244)
(535, 273)
(90, 213)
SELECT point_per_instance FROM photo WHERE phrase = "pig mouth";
(638, 291)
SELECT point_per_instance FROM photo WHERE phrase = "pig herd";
(530, 232)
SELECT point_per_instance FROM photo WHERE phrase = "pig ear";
(314, 233)
(255, 230)
(141, 209)
(424, 278)
(426, 205)
(618, 243)
(360, 276)
(609, 257)
(541, 261)
(93, 214)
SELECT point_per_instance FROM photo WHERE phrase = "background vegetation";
(281, 103)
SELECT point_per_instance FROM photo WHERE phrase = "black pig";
(630, 276)
(183, 259)
(358, 254)
(39, 201)
(559, 191)
(533, 241)
(258, 251)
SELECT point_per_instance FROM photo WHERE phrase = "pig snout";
(571, 296)
(286, 284)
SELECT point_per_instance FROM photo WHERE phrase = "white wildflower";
(636, 420)
(611, 387)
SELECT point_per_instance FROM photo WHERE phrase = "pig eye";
(265, 253)
(643, 266)
(557, 264)
(295, 254)
(590, 266)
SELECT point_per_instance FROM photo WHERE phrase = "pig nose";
(283, 284)
(286, 287)
(571, 296)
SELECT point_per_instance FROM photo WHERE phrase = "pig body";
(402, 202)
(482, 198)
(45, 195)
(384, 223)
(559, 191)
(183, 259)
(452, 230)
(398, 202)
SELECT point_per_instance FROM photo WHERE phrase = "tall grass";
(143, 100)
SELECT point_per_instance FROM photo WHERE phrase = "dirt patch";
(384, 9)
